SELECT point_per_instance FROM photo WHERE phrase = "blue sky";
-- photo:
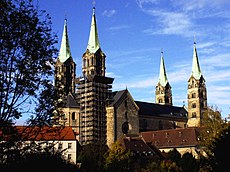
(133, 32)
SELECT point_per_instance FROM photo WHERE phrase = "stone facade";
(197, 93)
(197, 101)
(122, 117)
(163, 94)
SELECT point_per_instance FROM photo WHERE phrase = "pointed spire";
(162, 76)
(93, 43)
(64, 52)
(196, 72)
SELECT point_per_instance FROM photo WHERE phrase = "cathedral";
(97, 114)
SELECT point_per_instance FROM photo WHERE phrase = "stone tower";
(197, 94)
(65, 81)
(163, 88)
(94, 90)
(65, 68)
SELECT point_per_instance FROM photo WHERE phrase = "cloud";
(198, 5)
(112, 75)
(141, 3)
(119, 27)
(220, 60)
(185, 18)
(205, 45)
(109, 13)
(171, 23)
(140, 83)
(218, 97)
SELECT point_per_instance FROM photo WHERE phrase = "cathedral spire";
(93, 43)
(163, 88)
(196, 72)
(64, 53)
(162, 76)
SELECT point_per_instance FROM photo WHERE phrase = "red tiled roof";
(181, 137)
(138, 145)
(45, 133)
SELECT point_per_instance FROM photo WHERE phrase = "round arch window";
(125, 127)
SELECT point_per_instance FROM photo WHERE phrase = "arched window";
(204, 104)
(73, 116)
(84, 62)
(63, 116)
(194, 115)
(204, 94)
(193, 95)
(92, 61)
(194, 105)
(88, 62)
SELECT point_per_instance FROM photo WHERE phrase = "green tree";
(187, 161)
(92, 158)
(212, 126)
(220, 151)
(174, 155)
(167, 165)
(26, 71)
(117, 158)
(26, 57)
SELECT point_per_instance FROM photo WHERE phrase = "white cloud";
(109, 13)
(171, 23)
(205, 45)
(112, 75)
(197, 5)
(185, 18)
(220, 60)
(120, 27)
(140, 3)
(141, 83)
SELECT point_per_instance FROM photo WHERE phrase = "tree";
(117, 158)
(26, 70)
(26, 57)
(92, 158)
(220, 150)
(187, 161)
(174, 155)
(212, 125)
